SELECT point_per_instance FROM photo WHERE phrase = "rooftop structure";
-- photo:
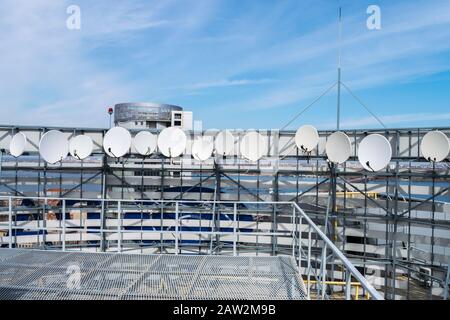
(42, 275)
(151, 115)
(392, 224)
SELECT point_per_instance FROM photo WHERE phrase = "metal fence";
(219, 228)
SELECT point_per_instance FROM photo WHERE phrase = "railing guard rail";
(328, 244)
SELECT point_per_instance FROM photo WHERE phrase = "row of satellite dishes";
(374, 152)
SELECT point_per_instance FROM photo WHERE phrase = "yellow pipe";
(342, 283)
(353, 194)
(336, 283)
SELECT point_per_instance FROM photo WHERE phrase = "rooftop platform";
(52, 275)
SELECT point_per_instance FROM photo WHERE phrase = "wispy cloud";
(389, 120)
(224, 83)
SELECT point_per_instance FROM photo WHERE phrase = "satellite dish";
(253, 146)
(202, 148)
(18, 144)
(81, 146)
(306, 138)
(144, 143)
(224, 143)
(117, 142)
(374, 152)
(53, 146)
(435, 146)
(338, 147)
(172, 142)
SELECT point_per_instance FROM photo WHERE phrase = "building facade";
(141, 115)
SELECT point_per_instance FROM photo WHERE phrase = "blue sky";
(235, 64)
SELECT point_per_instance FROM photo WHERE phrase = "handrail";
(366, 285)
(147, 200)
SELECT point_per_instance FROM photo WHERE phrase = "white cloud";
(388, 120)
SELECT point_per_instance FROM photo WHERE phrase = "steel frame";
(408, 168)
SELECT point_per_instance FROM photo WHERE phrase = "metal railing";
(223, 231)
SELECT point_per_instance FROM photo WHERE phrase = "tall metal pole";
(338, 115)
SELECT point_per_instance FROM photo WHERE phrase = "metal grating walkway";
(38, 274)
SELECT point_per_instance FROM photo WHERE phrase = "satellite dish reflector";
(253, 146)
(224, 143)
(306, 138)
(338, 147)
(374, 152)
(435, 146)
(144, 143)
(172, 142)
(53, 146)
(81, 146)
(117, 142)
(18, 144)
(202, 148)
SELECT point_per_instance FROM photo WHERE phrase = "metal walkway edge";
(57, 275)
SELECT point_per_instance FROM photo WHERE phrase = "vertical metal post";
(176, 227)
(234, 229)
(294, 230)
(102, 213)
(309, 262)
(323, 270)
(338, 111)
(300, 244)
(119, 222)
(10, 221)
(102, 227)
(348, 287)
(63, 213)
(447, 279)
(44, 223)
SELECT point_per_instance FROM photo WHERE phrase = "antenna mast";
(339, 70)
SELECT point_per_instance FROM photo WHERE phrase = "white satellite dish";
(202, 148)
(53, 146)
(172, 142)
(117, 142)
(144, 143)
(374, 152)
(435, 146)
(81, 146)
(18, 144)
(306, 138)
(253, 146)
(224, 143)
(338, 147)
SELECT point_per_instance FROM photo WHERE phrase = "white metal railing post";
(323, 270)
(294, 230)
(44, 223)
(234, 229)
(119, 226)
(309, 263)
(10, 221)
(176, 227)
(102, 225)
(300, 243)
(64, 225)
(348, 287)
